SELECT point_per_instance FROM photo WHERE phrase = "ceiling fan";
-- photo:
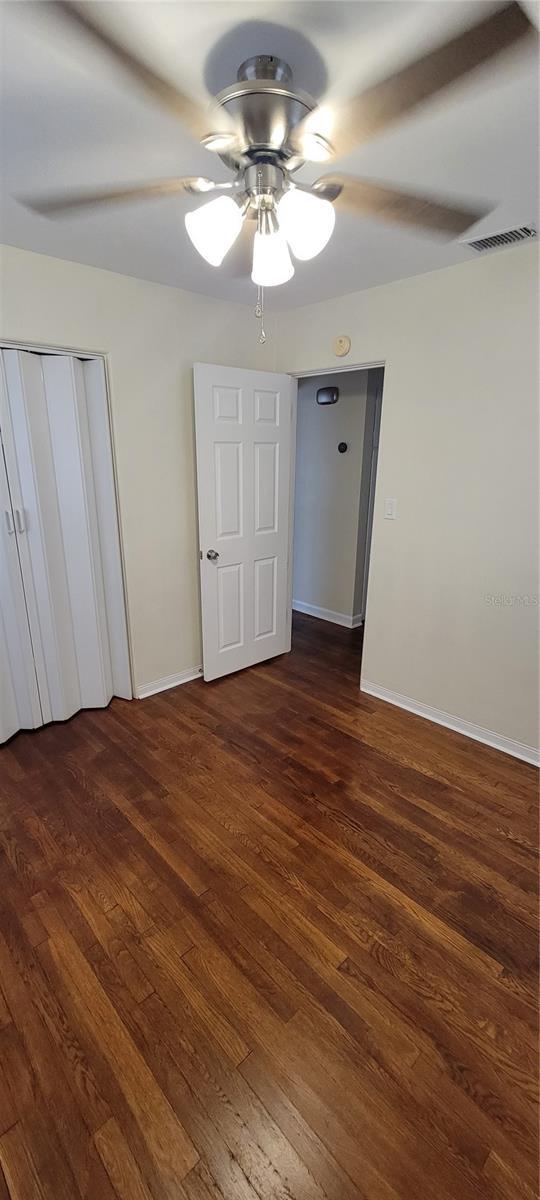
(264, 130)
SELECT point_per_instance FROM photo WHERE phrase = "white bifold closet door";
(19, 698)
(63, 635)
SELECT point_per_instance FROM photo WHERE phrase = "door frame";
(341, 368)
(88, 356)
(292, 480)
(338, 369)
(373, 469)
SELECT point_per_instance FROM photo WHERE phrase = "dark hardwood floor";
(266, 939)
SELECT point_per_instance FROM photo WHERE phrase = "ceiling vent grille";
(507, 238)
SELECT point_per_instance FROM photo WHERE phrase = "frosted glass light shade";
(214, 227)
(271, 260)
(307, 221)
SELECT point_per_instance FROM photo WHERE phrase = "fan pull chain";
(259, 313)
(259, 306)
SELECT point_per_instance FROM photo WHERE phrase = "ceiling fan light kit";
(271, 259)
(214, 227)
(264, 130)
(266, 111)
(307, 222)
(294, 216)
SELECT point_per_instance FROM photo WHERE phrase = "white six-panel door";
(245, 426)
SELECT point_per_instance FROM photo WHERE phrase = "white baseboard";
(508, 746)
(168, 681)
(326, 614)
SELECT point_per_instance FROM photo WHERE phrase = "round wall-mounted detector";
(342, 345)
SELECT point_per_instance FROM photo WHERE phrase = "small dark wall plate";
(342, 447)
(327, 395)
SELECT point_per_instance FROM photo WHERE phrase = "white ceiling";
(71, 118)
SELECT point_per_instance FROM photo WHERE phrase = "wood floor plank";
(5, 1015)
(114, 947)
(258, 1145)
(18, 1167)
(319, 1159)
(168, 1143)
(163, 948)
(507, 1184)
(119, 1163)
(169, 1050)
(4, 1194)
(267, 938)
(8, 1109)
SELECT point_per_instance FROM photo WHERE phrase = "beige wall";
(458, 451)
(152, 335)
(327, 492)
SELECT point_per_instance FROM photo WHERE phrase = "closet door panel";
(72, 466)
(11, 719)
(97, 411)
(10, 379)
(19, 699)
(31, 469)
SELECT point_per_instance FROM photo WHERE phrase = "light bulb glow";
(214, 228)
(314, 147)
(271, 259)
(218, 143)
(307, 221)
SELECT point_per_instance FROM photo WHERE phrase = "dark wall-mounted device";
(328, 395)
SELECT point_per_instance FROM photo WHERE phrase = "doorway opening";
(337, 441)
(245, 425)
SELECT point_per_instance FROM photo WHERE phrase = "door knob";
(212, 555)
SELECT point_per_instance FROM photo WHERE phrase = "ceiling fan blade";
(379, 106)
(49, 206)
(199, 121)
(386, 204)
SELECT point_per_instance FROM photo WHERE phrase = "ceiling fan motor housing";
(265, 66)
(263, 178)
(265, 109)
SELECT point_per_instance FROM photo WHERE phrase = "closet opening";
(63, 627)
(337, 441)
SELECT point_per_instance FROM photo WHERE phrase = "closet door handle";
(9, 521)
(19, 520)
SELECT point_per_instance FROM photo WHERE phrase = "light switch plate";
(390, 509)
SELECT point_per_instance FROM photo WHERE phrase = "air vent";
(507, 238)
